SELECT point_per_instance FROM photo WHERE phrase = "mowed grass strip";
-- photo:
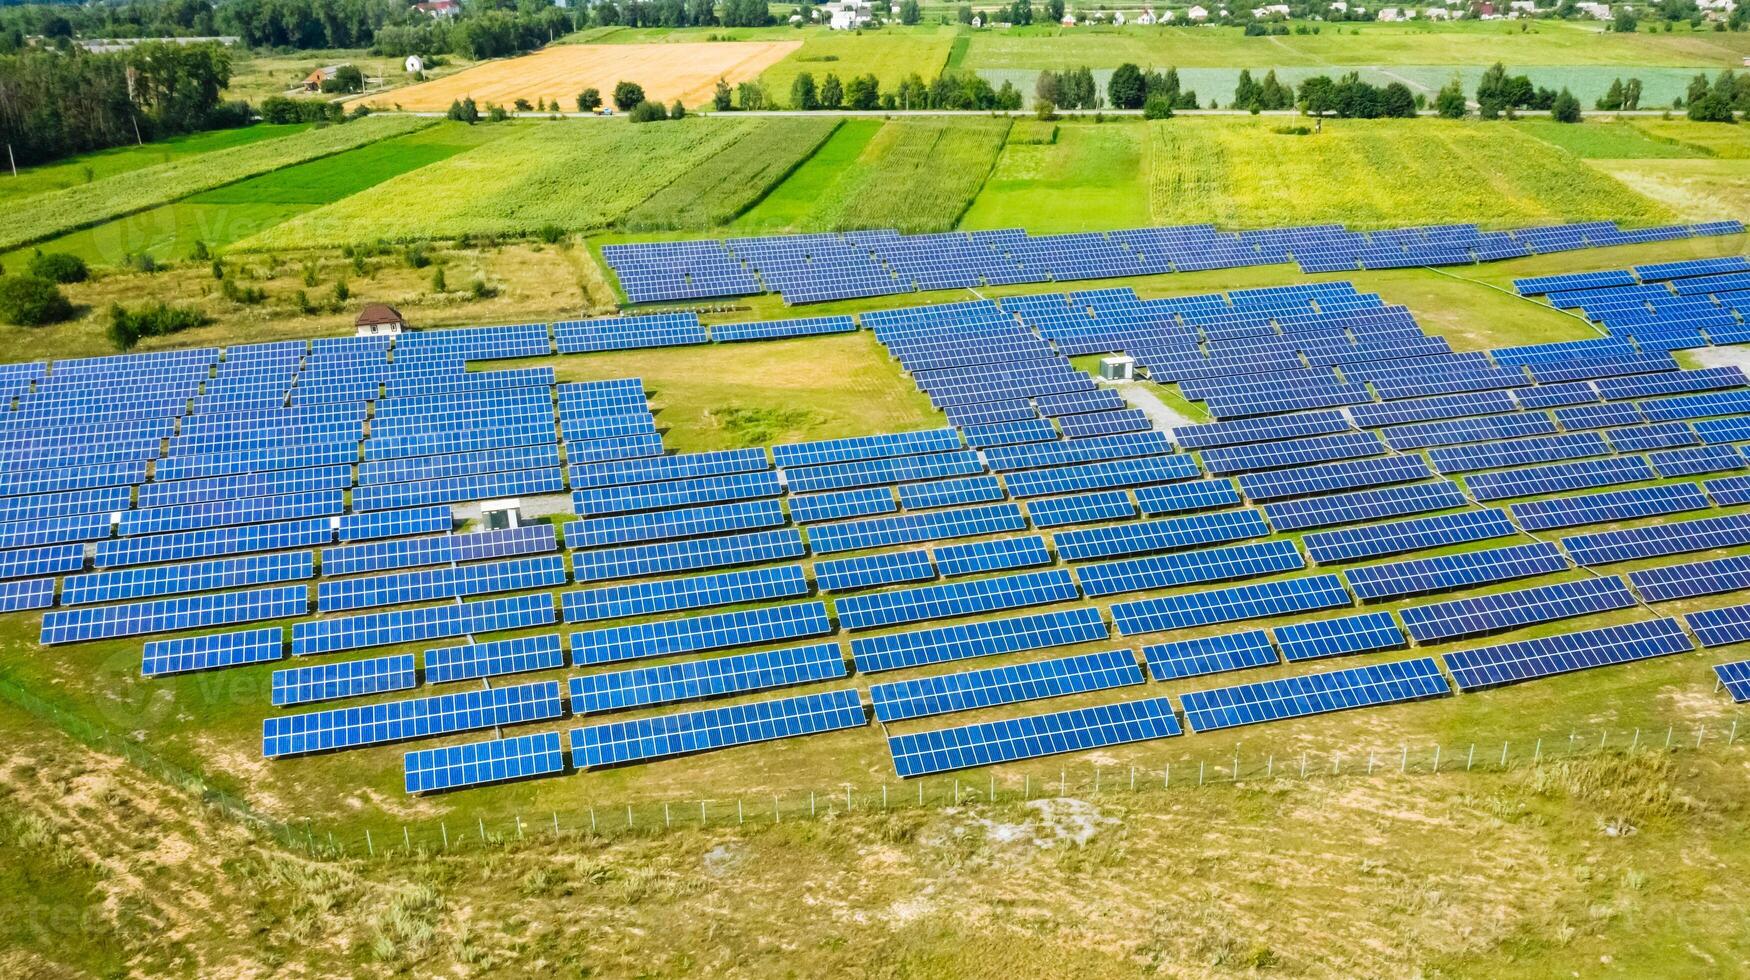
(1093, 176)
(1608, 141)
(90, 167)
(718, 190)
(790, 203)
(575, 174)
(915, 175)
(1376, 173)
(65, 210)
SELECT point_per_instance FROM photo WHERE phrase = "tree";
(1047, 88)
(863, 92)
(1054, 10)
(32, 301)
(58, 267)
(1566, 108)
(1492, 91)
(1246, 92)
(910, 12)
(1126, 89)
(346, 78)
(1008, 97)
(1396, 101)
(589, 100)
(750, 95)
(1613, 97)
(1157, 107)
(648, 111)
(628, 95)
(678, 110)
(1449, 102)
(720, 98)
(1272, 94)
(832, 92)
(1317, 96)
(802, 93)
(1631, 93)
(1625, 21)
(464, 110)
(1045, 109)
(963, 13)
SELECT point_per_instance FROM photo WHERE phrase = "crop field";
(1609, 140)
(88, 167)
(915, 175)
(1726, 142)
(1092, 176)
(686, 71)
(236, 211)
(790, 203)
(57, 212)
(1471, 43)
(1688, 187)
(575, 174)
(890, 54)
(724, 186)
(1242, 173)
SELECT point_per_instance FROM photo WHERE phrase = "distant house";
(977, 22)
(443, 9)
(414, 64)
(1596, 11)
(1197, 15)
(1145, 18)
(379, 320)
(1340, 7)
(848, 15)
(1069, 20)
(313, 81)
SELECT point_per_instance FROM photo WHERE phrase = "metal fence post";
(1200, 772)
(1471, 757)
(446, 829)
(369, 846)
(1437, 757)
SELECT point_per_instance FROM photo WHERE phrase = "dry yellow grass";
(687, 71)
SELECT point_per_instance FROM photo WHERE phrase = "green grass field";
(1093, 176)
(725, 186)
(915, 175)
(88, 167)
(791, 202)
(1727, 142)
(57, 212)
(890, 54)
(1608, 141)
(1240, 172)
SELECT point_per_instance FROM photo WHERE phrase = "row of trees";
(53, 105)
(1716, 102)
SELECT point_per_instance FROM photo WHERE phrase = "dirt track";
(686, 71)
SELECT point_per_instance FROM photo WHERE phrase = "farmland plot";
(718, 190)
(47, 215)
(915, 175)
(578, 174)
(687, 71)
(1237, 172)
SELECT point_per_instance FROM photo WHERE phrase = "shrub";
(627, 95)
(1566, 108)
(589, 100)
(32, 301)
(1157, 107)
(496, 113)
(438, 285)
(58, 267)
(551, 234)
(464, 110)
(482, 290)
(677, 111)
(417, 256)
(126, 327)
(242, 295)
(648, 111)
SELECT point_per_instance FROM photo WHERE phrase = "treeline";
(949, 90)
(54, 104)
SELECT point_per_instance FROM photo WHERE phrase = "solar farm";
(305, 512)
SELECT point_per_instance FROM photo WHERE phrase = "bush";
(1566, 108)
(551, 234)
(648, 111)
(279, 109)
(627, 95)
(32, 301)
(126, 327)
(589, 100)
(677, 111)
(1157, 107)
(463, 110)
(58, 267)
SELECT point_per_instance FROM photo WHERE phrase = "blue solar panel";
(945, 693)
(448, 582)
(955, 599)
(988, 743)
(424, 623)
(1326, 477)
(673, 595)
(668, 557)
(1362, 505)
(158, 580)
(1084, 508)
(866, 447)
(1186, 568)
(1458, 571)
(1546, 656)
(692, 680)
(1237, 602)
(1518, 452)
(675, 493)
(1558, 477)
(483, 763)
(675, 636)
(1673, 538)
(517, 655)
(992, 556)
(1311, 694)
(698, 731)
(175, 614)
(1291, 452)
(1101, 476)
(48, 560)
(1613, 505)
(1416, 534)
(23, 594)
(1692, 579)
(1177, 498)
(1339, 637)
(372, 724)
(1508, 610)
(838, 505)
(880, 532)
(1735, 677)
(894, 651)
(1080, 544)
(684, 523)
(1209, 655)
(346, 679)
(184, 654)
(864, 571)
(949, 493)
(1694, 461)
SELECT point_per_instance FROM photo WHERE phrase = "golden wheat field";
(687, 71)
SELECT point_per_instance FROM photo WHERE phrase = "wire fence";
(461, 831)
